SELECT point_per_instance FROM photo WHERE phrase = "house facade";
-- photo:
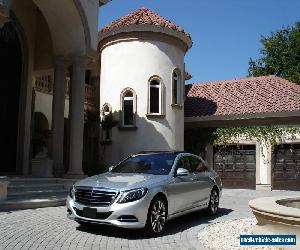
(133, 68)
(43, 44)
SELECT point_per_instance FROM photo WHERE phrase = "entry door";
(10, 78)
(286, 167)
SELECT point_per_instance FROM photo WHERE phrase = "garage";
(236, 165)
(286, 167)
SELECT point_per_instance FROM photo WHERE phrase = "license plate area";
(90, 213)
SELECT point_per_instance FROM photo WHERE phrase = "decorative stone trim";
(276, 215)
(139, 35)
(177, 106)
(161, 96)
(122, 96)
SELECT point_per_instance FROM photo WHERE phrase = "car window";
(197, 166)
(184, 163)
(157, 164)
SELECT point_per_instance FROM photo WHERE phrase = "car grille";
(99, 216)
(95, 197)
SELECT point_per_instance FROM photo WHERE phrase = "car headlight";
(72, 192)
(132, 195)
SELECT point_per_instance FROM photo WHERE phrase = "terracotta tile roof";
(245, 96)
(144, 16)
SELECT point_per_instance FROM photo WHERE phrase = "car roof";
(150, 152)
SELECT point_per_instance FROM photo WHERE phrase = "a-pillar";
(77, 117)
(58, 110)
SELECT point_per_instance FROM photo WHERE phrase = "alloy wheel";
(214, 202)
(158, 216)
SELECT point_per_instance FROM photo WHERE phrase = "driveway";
(48, 228)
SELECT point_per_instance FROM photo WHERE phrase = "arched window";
(128, 103)
(155, 96)
(177, 87)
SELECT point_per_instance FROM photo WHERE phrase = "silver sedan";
(145, 190)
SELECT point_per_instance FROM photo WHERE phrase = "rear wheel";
(157, 217)
(213, 205)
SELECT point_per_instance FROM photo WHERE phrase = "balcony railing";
(44, 81)
(90, 91)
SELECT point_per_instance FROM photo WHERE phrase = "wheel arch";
(162, 196)
(215, 187)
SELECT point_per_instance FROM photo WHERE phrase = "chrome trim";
(94, 196)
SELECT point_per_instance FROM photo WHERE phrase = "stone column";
(77, 117)
(210, 155)
(58, 110)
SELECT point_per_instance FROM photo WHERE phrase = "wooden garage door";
(236, 166)
(286, 167)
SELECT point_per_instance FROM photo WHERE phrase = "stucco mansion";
(56, 67)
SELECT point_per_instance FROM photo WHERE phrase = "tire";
(157, 217)
(213, 205)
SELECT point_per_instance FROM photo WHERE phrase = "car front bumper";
(120, 215)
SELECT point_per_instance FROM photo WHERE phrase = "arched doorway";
(10, 82)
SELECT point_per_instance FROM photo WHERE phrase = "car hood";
(122, 181)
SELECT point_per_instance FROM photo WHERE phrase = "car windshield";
(156, 164)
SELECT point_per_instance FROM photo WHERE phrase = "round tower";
(142, 83)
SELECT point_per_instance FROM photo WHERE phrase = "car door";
(202, 181)
(181, 189)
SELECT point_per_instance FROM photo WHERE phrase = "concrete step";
(53, 201)
(36, 194)
(25, 193)
(33, 181)
(35, 187)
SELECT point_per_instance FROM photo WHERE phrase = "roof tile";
(244, 96)
(144, 16)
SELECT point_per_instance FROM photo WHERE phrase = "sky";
(225, 33)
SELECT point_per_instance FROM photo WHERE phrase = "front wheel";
(213, 205)
(157, 216)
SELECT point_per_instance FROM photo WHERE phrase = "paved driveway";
(48, 228)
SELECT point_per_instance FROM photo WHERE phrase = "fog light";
(127, 218)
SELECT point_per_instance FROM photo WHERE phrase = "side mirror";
(110, 168)
(182, 172)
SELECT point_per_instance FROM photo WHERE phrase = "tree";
(93, 120)
(280, 55)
